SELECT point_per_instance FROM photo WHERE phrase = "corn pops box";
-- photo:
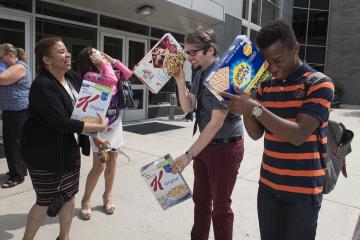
(158, 65)
(168, 188)
(93, 98)
(239, 69)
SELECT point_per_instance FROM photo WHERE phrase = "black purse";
(56, 205)
(125, 93)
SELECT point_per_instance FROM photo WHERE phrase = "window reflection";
(318, 67)
(113, 47)
(301, 3)
(319, 4)
(136, 53)
(253, 36)
(299, 24)
(317, 29)
(12, 32)
(24, 5)
(315, 54)
(302, 52)
(245, 10)
(75, 37)
(255, 11)
(269, 12)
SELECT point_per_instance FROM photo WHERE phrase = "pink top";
(109, 77)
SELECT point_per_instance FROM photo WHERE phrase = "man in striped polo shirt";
(293, 115)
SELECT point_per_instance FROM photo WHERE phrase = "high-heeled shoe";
(109, 208)
(85, 211)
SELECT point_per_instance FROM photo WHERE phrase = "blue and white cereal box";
(239, 69)
(93, 98)
(168, 188)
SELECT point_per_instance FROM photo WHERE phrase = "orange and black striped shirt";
(286, 167)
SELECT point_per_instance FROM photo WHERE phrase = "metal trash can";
(173, 104)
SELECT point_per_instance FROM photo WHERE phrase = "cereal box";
(158, 65)
(239, 70)
(93, 98)
(168, 188)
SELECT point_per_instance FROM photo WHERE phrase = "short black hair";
(276, 30)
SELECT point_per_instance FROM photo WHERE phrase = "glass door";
(15, 30)
(129, 51)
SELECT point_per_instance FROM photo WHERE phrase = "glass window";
(317, 30)
(75, 37)
(317, 67)
(77, 15)
(114, 47)
(245, 10)
(319, 4)
(153, 42)
(138, 99)
(12, 32)
(255, 11)
(158, 33)
(127, 26)
(299, 24)
(302, 52)
(301, 3)
(315, 54)
(24, 5)
(253, 36)
(269, 12)
(244, 30)
(164, 94)
(136, 53)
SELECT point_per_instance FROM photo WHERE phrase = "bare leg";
(66, 215)
(109, 175)
(91, 181)
(35, 218)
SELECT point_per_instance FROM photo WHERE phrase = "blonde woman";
(15, 83)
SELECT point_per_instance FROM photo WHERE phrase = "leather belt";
(226, 140)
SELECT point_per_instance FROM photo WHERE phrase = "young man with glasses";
(218, 151)
(292, 113)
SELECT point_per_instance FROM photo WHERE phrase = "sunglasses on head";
(194, 51)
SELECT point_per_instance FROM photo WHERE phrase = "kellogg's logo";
(84, 102)
(155, 184)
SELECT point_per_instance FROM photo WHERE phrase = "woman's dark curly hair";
(84, 62)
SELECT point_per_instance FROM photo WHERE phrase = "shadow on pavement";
(10, 222)
(353, 114)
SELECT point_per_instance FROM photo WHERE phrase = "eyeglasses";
(193, 52)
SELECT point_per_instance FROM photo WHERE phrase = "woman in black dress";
(51, 140)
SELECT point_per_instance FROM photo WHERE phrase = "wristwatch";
(189, 155)
(257, 111)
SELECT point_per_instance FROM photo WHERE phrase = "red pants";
(215, 171)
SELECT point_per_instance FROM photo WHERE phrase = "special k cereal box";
(93, 98)
(158, 65)
(168, 188)
(239, 69)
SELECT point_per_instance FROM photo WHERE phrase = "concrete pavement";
(138, 215)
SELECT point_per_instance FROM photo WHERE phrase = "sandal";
(109, 208)
(11, 183)
(85, 213)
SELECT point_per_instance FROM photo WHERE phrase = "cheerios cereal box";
(239, 69)
(168, 188)
(93, 98)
